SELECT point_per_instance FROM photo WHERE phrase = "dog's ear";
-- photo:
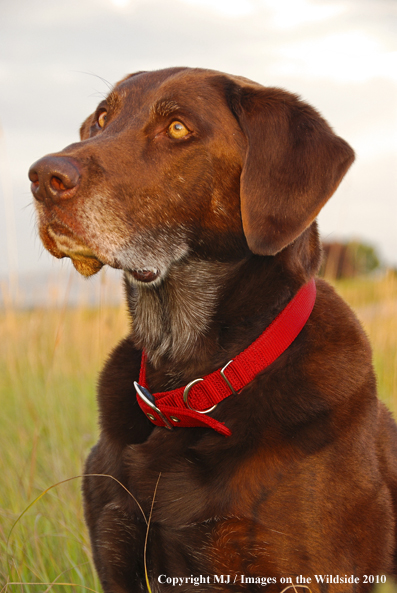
(293, 163)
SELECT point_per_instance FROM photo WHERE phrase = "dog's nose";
(54, 178)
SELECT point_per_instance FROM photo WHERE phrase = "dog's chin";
(86, 266)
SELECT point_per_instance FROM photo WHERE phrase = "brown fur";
(222, 222)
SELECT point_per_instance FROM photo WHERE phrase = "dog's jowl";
(241, 408)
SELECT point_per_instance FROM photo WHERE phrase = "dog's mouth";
(61, 242)
(145, 275)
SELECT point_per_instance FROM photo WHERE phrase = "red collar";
(189, 405)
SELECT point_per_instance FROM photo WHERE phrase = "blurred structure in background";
(348, 260)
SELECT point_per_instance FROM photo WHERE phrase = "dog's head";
(186, 161)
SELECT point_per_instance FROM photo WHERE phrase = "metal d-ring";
(186, 398)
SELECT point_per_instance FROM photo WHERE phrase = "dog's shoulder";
(121, 418)
(337, 337)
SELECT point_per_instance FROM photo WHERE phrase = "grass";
(49, 363)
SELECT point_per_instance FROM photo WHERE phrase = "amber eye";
(177, 130)
(102, 117)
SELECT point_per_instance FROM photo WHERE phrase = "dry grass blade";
(68, 480)
(295, 587)
(56, 582)
(147, 534)
(147, 521)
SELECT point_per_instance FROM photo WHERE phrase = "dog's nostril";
(33, 176)
(35, 186)
(57, 184)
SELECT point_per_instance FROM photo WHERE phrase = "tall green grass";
(49, 363)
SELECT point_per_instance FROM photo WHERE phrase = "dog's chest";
(203, 508)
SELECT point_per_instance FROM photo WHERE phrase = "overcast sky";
(58, 57)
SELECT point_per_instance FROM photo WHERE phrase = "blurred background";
(58, 58)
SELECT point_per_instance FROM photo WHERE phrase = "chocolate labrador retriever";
(241, 410)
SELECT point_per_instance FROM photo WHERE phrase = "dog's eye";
(177, 130)
(102, 117)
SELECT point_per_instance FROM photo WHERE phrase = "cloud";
(348, 56)
(288, 14)
(233, 8)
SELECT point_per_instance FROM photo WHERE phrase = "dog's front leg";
(116, 525)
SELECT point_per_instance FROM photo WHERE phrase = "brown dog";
(204, 189)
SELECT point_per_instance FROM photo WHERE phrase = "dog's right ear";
(85, 127)
(293, 163)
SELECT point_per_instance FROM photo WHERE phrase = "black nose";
(54, 178)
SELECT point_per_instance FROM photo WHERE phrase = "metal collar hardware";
(149, 400)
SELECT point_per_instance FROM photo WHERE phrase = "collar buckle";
(149, 400)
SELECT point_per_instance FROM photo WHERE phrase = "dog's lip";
(145, 275)
(68, 245)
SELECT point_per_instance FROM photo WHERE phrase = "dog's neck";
(204, 312)
(171, 320)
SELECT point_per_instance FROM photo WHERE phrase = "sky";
(58, 59)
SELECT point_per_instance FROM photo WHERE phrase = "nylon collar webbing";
(189, 405)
